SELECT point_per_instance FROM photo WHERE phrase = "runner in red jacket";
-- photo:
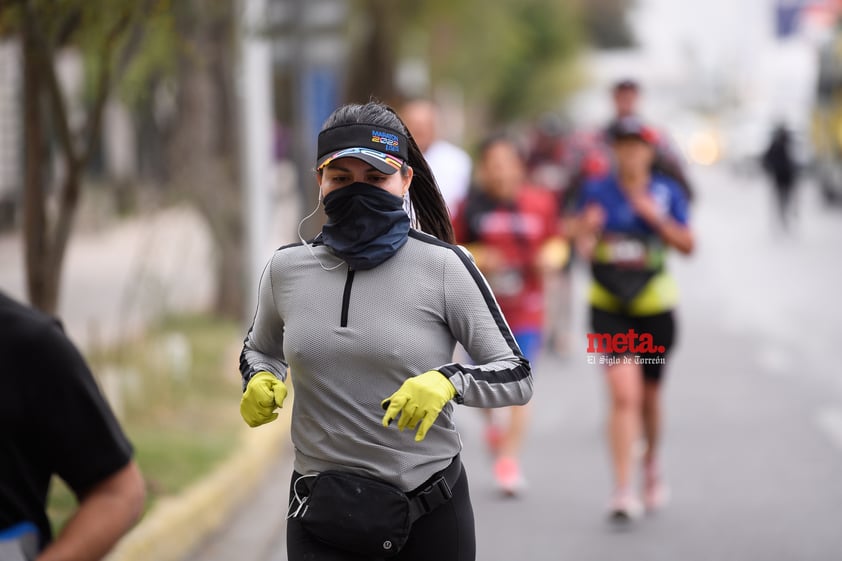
(512, 230)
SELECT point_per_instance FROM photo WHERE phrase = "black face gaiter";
(366, 225)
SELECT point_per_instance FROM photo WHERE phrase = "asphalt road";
(753, 443)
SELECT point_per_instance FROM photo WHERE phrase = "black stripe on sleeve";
(496, 376)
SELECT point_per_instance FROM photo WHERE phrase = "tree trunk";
(45, 239)
(374, 59)
(36, 244)
(202, 152)
(230, 270)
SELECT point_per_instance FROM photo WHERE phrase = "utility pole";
(255, 93)
(312, 50)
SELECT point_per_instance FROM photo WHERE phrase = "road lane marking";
(829, 420)
(775, 360)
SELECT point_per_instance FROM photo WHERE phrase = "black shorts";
(661, 326)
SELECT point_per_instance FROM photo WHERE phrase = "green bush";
(176, 392)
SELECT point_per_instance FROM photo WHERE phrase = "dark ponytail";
(426, 199)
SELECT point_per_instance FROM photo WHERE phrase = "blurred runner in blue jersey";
(627, 222)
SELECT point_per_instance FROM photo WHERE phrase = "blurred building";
(718, 74)
(309, 53)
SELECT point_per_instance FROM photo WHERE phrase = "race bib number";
(626, 252)
(506, 283)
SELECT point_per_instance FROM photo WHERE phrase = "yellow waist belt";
(659, 295)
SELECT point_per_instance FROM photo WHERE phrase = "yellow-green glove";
(419, 400)
(264, 393)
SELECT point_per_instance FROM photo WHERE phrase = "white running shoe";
(624, 507)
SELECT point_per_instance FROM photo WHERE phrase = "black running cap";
(626, 84)
(382, 147)
(632, 127)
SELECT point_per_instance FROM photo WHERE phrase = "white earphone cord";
(297, 500)
(308, 246)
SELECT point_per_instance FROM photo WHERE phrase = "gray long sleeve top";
(351, 338)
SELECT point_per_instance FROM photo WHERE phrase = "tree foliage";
(510, 58)
(203, 151)
(606, 24)
(514, 57)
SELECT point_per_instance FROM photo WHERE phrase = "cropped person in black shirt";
(54, 421)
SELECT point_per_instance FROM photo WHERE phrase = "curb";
(176, 525)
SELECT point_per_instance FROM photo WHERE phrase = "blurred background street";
(140, 204)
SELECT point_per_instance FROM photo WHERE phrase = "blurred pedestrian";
(780, 164)
(366, 317)
(668, 159)
(546, 153)
(450, 164)
(590, 163)
(511, 228)
(54, 421)
(546, 169)
(627, 222)
(625, 95)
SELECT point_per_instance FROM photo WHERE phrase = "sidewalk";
(233, 501)
(118, 279)
(256, 529)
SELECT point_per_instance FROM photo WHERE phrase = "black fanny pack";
(363, 515)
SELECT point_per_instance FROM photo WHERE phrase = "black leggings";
(661, 326)
(446, 534)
